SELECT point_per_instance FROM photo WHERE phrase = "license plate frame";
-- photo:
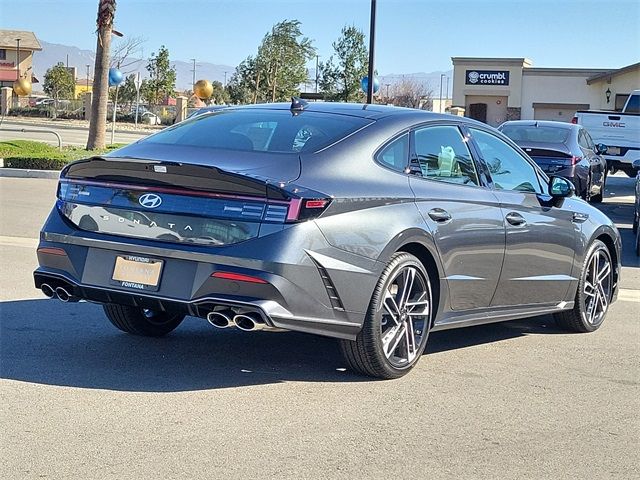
(613, 150)
(137, 272)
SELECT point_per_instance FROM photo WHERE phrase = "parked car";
(150, 118)
(44, 102)
(620, 131)
(636, 210)
(563, 149)
(371, 224)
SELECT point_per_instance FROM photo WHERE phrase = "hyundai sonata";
(374, 225)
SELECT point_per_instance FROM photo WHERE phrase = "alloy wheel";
(405, 312)
(597, 287)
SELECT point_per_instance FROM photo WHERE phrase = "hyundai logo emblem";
(150, 200)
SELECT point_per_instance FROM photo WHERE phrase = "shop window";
(3, 54)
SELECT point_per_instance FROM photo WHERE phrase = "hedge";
(41, 156)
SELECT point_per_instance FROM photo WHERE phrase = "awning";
(12, 76)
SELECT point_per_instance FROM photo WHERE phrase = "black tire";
(598, 198)
(366, 355)
(637, 241)
(579, 318)
(138, 321)
(636, 221)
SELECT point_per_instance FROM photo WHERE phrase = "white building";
(494, 90)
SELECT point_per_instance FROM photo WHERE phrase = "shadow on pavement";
(48, 342)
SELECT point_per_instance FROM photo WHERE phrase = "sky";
(411, 35)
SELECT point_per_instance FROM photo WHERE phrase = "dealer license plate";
(132, 271)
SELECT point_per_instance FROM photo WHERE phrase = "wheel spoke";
(603, 273)
(411, 341)
(589, 289)
(390, 305)
(392, 338)
(407, 286)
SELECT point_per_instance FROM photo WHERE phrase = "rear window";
(531, 133)
(261, 130)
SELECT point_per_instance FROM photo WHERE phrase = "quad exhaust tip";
(48, 290)
(64, 295)
(249, 322)
(221, 319)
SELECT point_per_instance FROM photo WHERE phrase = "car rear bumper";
(300, 271)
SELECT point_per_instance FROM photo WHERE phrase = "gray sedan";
(371, 224)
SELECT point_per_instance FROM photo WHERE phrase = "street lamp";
(608, 95)
(440, 104)
(194, 71)
(88, 67)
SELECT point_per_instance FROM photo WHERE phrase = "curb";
(22, 173)
(147, 131)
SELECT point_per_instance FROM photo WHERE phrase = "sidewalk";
(77, 124)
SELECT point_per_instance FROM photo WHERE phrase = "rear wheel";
(397, 324)
(141, 321)
(594, 292)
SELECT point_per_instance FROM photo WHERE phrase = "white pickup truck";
(619, 131)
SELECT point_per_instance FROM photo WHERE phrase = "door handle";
(439, 215)
(515, 219)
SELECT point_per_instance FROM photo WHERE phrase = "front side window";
(442, 154)
(509, 170)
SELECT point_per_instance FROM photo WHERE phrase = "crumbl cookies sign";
(487, 77)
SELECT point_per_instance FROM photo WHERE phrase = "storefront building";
(494, 90)
(9, 61)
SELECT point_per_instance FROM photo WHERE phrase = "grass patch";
(42, 156)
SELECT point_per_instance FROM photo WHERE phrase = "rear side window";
(633, 104)
(261, 130)
(442, 154)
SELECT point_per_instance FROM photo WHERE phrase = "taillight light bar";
(575, 160)
(301, 209)
(238, 277)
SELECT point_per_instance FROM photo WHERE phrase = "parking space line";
(18, 242)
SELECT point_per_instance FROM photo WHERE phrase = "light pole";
(387, 85)
(372, 38)
(440, 104)
(225, 79)
(138, 84)
(88, 67)
(317, 56)
(194, 72)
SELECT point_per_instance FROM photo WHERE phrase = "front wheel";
(141, 321)
(395, 330)
(595, 288)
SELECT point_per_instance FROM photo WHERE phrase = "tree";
(220, 94)
(277, 70)
(127, 91)
(58, 84)
(340, 77)
(411, 93)
(124, 52)
(162, 81)
(98, 121)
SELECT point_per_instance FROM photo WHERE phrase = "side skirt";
(480, 317)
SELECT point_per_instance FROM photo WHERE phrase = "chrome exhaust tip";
(48, 290)
(249, 322)
(221, 319)
(64, 295)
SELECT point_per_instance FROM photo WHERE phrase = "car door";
(540, 237)
(597, 165)
(461, 211)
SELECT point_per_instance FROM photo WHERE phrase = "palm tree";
(98, 121)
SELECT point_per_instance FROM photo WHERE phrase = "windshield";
(531, 133)
(261, 130)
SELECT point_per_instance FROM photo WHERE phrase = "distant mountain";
(53, 53)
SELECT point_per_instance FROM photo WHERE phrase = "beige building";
(494, 90)
(9, 61)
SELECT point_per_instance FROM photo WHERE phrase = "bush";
(41, 156)
(29, 112)
(36, 163)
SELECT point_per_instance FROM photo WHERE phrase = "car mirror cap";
(560, 187)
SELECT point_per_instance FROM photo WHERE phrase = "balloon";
(364, 84)
(203, 89)
(22, 87)
(115, 77)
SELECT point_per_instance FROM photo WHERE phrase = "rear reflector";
(316, 203)
(52, 251)
(574, 120)
(575, 160)
(301, 209)
(237, 277)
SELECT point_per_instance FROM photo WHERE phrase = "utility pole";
(88, 67)
(194, 72)
(440, 103)
(317, 56)
(225, 79)
(372, 38)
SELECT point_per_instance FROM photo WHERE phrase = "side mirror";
(636, 165)
(601, 149)
(560, 187)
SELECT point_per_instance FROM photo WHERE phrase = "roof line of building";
(612, 73)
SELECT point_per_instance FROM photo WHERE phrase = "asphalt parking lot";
(522, 399)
